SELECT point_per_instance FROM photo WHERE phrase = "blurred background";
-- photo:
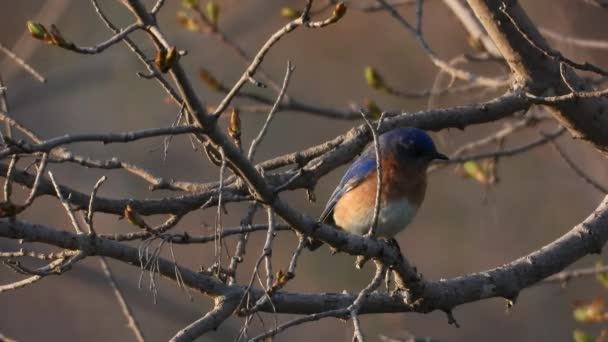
(462, 227)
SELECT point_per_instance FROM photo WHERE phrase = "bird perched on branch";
(406, 154)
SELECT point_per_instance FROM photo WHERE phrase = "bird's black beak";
(439, 156)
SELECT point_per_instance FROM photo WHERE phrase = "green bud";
(213, 12)
(190, 4)
(290, 13)
(37, 30)
(372, 78)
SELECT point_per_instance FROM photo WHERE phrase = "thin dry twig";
(416, 30)
(565, 276)
(579, 172)
(258, 139)
(372, 229)
(23, 64)
(124, 306)
(65, 204)
(575, 41)
(91, 208)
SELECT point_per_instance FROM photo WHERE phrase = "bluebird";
(406, 153)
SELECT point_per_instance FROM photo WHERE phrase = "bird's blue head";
(411, 145)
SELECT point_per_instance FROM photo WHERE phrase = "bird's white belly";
(394, 216)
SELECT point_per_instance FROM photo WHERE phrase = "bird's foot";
(361, 260)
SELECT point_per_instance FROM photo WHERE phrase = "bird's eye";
(417, 152)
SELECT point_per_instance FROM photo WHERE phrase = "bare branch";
(23, 64)
(575, 41)
(256, 141)
(66, 205)
(372, 229)
(117, 38)
(579, 172)
(105, 138)
(565, 276)
(224, 307)
(124, 306)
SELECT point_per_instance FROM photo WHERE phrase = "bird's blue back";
(365, 164)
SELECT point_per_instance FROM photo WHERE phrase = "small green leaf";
(190, 3)
(581, 336)
(290, 13)
(372, 109)
(213, 12)
(372, 78)
(37, 30)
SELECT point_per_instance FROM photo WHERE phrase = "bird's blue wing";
(356, 173)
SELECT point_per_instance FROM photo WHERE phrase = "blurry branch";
(224, 307)
(22, 63)
(139, 53)
(597, 3)
(6, 339)
(316, 161)
(214, 31)
(105, 138)
(124, 306)
(376, 81)
(261, 186)
(410, 338)
(394, 3)
(545, 138)
(19, 284)
(477, 34)
(377, 201)
(565, 276)
(302, 20)
(258, 139)
(416, 31)
(495, 138)
(55, 267)
(54, 37)
(505, 281)
(60, 155)
(575, 41)
(539, 68)
(579, 172)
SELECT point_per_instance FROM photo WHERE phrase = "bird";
(406, 153)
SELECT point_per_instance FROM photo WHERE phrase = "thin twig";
(258, 139)
(117, 38)
(22, 63)
(91, 209)
(65, 204)
(575, 41)
(8, 183)
(124, 306)
(106, 138)
(373, 227)
(579, 172)
(39, 174)
(565, 276)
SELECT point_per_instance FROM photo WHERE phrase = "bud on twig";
(190, 4)
(209, 80)
(134, 218)
(373, 79)
(290, 13)
(165, 59)
(37, 30)
(234, 129)
(188, 22)
(213, 13)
